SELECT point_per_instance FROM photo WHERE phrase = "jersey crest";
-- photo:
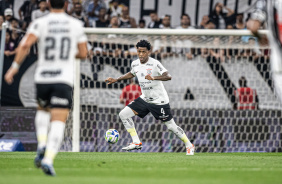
(149, 71)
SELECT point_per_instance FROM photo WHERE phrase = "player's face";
(143, 54)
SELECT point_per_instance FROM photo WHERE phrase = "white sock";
(42, 121)
(178, 132)
(125, 116)
(55, 137)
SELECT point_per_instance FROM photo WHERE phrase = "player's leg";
(55, 138)
(163, 113)
(126, 117)
(42, 122)
(171, 126)
(134, 108)
(60, 104)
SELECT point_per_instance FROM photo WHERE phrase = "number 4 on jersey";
(162, 111)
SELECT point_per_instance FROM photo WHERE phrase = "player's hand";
(9, 76)
(149, 77)
(110, 80)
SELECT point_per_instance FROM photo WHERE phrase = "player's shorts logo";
(59, 101)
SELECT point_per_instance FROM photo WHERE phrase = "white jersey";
(152, 91)
(58, 35)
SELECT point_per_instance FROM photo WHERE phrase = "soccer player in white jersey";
(154, 98)
(271, 12)
(60, 40)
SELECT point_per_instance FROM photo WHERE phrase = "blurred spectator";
(185, 22)
(165, 22)
(41, 11)
(93, 10)
(115, 8)
(10, 45)
(4, 4)
(239, 24)
(25, 12)
(8, 15)
(216, 53)
(114, 22)
(71, 4)
(246, 97)
(183, 45)
(101, 22)
(206, 23)
(130, 92)
(142, 24)
(80, 15)
(163, 47)
(220, 19)
(16, 33)
(155, 20)
(125, 20)
(1, 21)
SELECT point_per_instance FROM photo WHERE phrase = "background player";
(270, 12)
(60, 39)
(154, 98)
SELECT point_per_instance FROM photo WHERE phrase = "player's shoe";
(133, 146)
(39, 157)
(48, 169)
(190, 150)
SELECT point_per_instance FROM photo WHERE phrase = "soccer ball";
(112, 136)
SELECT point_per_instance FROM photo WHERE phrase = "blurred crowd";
(94, 13)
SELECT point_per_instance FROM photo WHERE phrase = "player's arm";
(22, 52)
(111, 80)
(164, 77)
(82, 50)
(258, 17)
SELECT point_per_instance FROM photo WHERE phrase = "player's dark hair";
(57, 4)
(143, 43)
(142, 21)
(153, 12)
(184, 14)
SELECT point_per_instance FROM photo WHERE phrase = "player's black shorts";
(54, 95)
(160, 112)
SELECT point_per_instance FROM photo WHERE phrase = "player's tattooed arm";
(111, 80)
(164, 77)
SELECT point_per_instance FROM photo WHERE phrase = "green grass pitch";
(145, 168)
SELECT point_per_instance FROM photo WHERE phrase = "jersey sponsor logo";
(147, 88)
(135, 65)
(148, 64)
(59, 101)
(142, 75)
(161, 69)
(58, 30)
(51, 73)
(149, 71)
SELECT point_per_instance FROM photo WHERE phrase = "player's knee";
(171, 126)
(121, 114)
(126, 113)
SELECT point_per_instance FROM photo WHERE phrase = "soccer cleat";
(48, 169)
(133, 146)
(190, 150)
(39, 157)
